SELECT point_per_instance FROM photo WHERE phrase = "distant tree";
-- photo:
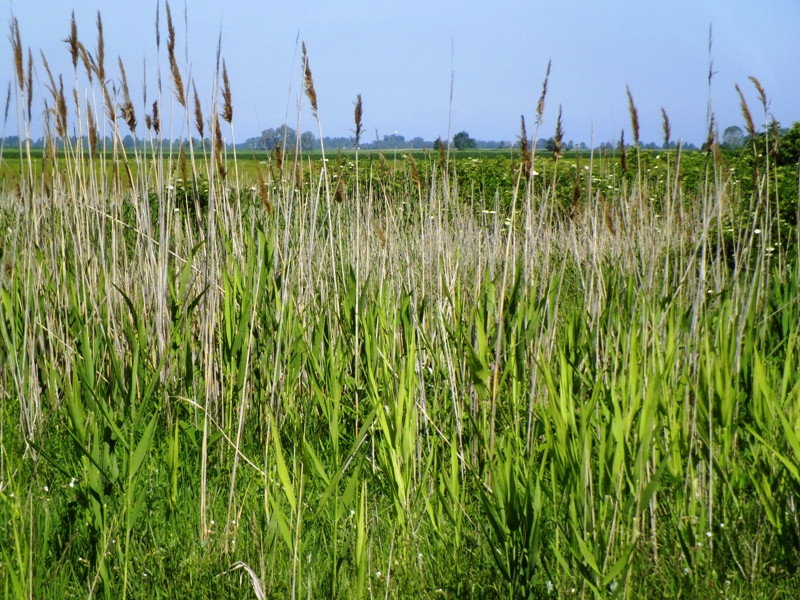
(307, 140)
(461, 141)
(438, 143)
(733, 137)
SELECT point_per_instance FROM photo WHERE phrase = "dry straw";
(358, 117)
(540, 104)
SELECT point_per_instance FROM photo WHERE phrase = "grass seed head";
(198, 113)
(748, 117)
(308, 82)
(634, 116)
(665, 127)
(761, 93)
(72, 41)
(227, 104)
(358, 117)
(623, 155)
(540, 104)
(16, 48)
(127, 111)
(101, 54)
(559, 137)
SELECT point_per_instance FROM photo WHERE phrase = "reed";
(427, 388)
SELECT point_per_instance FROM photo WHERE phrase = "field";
(434, 374)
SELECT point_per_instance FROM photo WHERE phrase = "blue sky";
(400, 57)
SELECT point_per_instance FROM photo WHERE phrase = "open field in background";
(366, 375)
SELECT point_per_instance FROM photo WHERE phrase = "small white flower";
(47, 488)
(708, 534)
(756, 231)
(233, 521)
(377, 574)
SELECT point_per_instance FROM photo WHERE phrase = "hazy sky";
(400, 57)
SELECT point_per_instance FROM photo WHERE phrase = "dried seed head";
(126, 109)
(156, 118)
(227, 105)
(198, 112)
(623, 155)
(101, 69)
(525, 153)
(665, 127)
(540, 105)
(72, 40)
(308, 81)
(634, 116)
(559, 137)
(748, 117)
(761, 93)
(16, 48)
(358, 114)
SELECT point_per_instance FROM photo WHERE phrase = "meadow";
(357, 375)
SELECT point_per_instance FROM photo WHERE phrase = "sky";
(405, 58)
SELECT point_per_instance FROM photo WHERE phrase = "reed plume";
(761, 93)
(88, 62)
(559, 137)
(101, 54)
(127, 111)
(525, 153)
(634, 116)
(30, 84)
(92, 126)
(358, 115)
(173, 63)
(623, 155)
(540, 104)
(665, 127)
(227, 104)
(16, 48)
(198, 113)
(156, 118)
(72, 41)
(308, 82)
(414, 171)
(748, 117)
(219, 149)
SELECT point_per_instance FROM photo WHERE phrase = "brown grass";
(72, 41)
(748, 117)
(540, 104)
(358, 117)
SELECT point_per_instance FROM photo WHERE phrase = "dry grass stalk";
(308, 82)
(634, 116)
(173, 63)
(8, 103)
(72, 41)
(623, 155)
(540, 104)
(559, 137)
(748, 117)
(277, 153)
(379, 231)
(358, 117)
(16, 48)
(88, 62)
(30, 84)
(57, 92)
(227, 104)
(92, 126)
(100, 65)
(219, 149)
(761, 93)
(665, 127)
(198, 113)
(156, 118)
(525, 153)
(127, 111)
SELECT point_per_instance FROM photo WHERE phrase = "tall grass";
(213, 386)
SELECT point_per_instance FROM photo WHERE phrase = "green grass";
(398, 378)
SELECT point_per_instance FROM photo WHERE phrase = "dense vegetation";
(435, 374)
